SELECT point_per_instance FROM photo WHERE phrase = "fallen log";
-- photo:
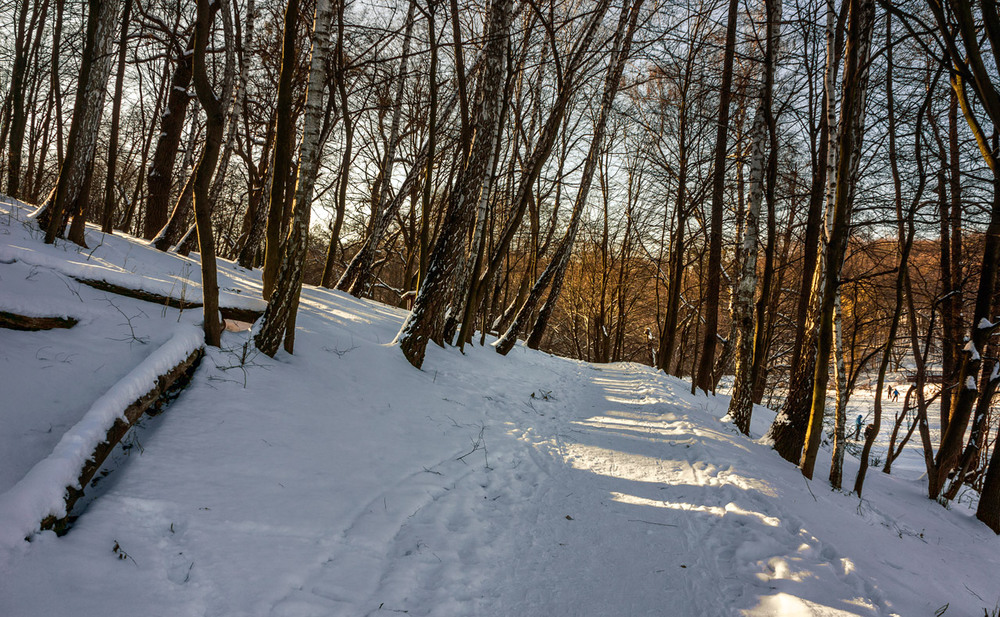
(228, 312)
(166, 385)
(13, 321)
(139, 294)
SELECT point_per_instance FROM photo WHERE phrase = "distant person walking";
(895, 395)
(857, 428)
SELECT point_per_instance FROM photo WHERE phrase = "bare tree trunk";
(425, 199)
(840, 417)
(426, 320)
(358, 276)
(741, 403)
(76, 169)
(556, 271)
(704, 376)
(18, 117)
(905, 244)
(214, 126)
(340, 80)
(108, 211)
(233, 106)
(279, 317)
(859, 34)
(543, 149)
(160, 175)
(255, 221)
(788, 431)
(282, 163)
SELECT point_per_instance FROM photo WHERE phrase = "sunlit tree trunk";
(279, 317)
(850, 134)
(788, 431)
(741, 403)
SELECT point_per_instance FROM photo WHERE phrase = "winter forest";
(789, 211)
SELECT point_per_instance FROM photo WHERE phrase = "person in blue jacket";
(857, 427)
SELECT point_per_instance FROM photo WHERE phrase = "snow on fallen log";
(176, 289)
(45, 496)
(237, 313)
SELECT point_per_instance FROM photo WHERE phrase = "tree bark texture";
(741, 403)
(426, 320)
(279, 318)
(859, 34)
(78, 165)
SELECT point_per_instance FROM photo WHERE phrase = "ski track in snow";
(341, 481)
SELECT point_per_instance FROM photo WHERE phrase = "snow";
(970, 348)
(985, 324)
(970, 383)
(341, 481)
(41, 491)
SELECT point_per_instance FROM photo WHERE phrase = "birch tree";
(741, 403)
(859, 33)
(279, 317)
(426, 320)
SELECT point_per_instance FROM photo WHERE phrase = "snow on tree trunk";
(426, 320)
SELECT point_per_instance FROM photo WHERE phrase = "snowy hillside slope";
(341, 481)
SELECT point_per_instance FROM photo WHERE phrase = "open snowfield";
(342, 482)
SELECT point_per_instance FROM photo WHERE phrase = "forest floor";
(342, 481)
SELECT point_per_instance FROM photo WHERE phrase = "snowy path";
(342, 482)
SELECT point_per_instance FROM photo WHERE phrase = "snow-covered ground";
(341, 481)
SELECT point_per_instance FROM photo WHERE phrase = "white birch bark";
(840, 418)
(279, 317)
(741, 403)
